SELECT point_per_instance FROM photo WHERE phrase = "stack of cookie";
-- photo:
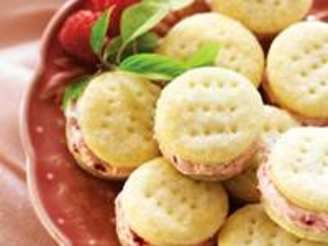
(209, 134)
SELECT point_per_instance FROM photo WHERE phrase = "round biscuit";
(116, 117)
(240, 51)
(166, 208)
(209, 116)
(298, 167)
(276, 122)
(264, 16)
(298, 76)
(250, 226)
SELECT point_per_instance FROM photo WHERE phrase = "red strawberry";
(120, 6)
(75, 35)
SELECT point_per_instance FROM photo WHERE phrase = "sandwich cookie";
(265, 17)
(297, 72)
(109, 128)
(293, 183)
(160, 206)
(250, 226)
(208, 123)
(240, 51)
(276, 122)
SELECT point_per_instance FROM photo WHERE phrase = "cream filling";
(214, 172)
(303, 218)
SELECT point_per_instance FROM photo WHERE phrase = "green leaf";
(146, 43)
(141, 18)
(113, 48)
(75, 90)
(153, 66)
(173, 4)
(158, 67)
(205, 56)
(180, 4)
(99, 32)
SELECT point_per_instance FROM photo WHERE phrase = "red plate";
(75, 208)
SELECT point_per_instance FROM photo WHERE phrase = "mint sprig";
(158, 67)
(136, 23)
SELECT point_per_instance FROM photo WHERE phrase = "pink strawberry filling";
(214, 172)
(303, 218)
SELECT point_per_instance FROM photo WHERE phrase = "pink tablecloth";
(21, 23)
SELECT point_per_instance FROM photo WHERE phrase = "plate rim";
(25, 135)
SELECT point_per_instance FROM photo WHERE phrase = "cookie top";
(166, 208)
(116, 113)
(240, 51)
(298, 76)
(276, 122)
(264, 16)
(250, 226)
(209, 116)
(298, 167)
